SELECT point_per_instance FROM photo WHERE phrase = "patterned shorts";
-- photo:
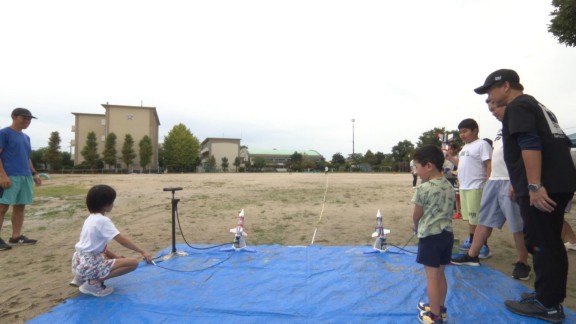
(91, 266)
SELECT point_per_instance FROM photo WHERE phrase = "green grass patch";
(59, 191)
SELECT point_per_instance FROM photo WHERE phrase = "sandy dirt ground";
(280, 208)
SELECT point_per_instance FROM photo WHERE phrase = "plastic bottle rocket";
(239, 232)
(380, 235)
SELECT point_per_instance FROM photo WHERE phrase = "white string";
(321, 212)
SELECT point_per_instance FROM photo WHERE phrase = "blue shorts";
(496, 207)
(20, 191)
(435, 250)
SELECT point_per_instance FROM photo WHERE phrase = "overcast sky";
(279, 74)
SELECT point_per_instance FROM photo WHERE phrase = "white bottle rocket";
(379, 235)
(240, 233)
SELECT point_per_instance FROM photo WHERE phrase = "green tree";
(37, 158)
(259, 163)
(52, 154)
(432, 137)
(370, 158)
(109, 154)
(211, 165)
(67, 160)
(181, 149)
(90, 151)
(338, 161)
(145, 151)
(380, 157)
(563, 22)
(296, 161)
(403, 151)
(307, 164)
(128, 153)
(355, 158)
(224, 164)
(237, 162)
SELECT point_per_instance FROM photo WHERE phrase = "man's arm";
(533, 165)
(416, 216)
(4, 179)
(35, 175)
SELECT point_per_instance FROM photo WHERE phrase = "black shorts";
(435, 250)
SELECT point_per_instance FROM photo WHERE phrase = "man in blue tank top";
(17, 175)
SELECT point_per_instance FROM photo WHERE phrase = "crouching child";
(93, 262)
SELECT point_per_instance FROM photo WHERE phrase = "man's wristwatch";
(533, 187)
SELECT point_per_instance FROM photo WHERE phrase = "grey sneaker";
(4, 246)
(531, 307)
(97, 289)
(465, 259)
(521, 271)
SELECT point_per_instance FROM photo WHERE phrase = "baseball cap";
(498, 76)
(22, 112)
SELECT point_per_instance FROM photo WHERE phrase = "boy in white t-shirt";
(93, 262)
(497, 207)
(473, 170)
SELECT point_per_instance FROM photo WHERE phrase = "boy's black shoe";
(465, 259)
(531, 307)
(4, 246)
(521, 271)
(22, 240)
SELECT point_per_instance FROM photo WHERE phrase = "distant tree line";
(180, 152)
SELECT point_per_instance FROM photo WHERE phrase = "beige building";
(137, 121)
(219, 148)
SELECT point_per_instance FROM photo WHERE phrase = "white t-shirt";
(499, 170)
(97, 232)
(471, 166)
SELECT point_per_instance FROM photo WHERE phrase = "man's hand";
(540, 200)
(511, 193)
(5, 181)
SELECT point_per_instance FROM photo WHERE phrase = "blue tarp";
(281, 284)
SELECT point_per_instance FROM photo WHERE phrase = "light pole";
(353, 138)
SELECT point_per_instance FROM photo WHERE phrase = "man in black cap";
(17, 175)
(537, 156)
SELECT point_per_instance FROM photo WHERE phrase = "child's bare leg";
(121, 267)
(481, 234)
(436, 287)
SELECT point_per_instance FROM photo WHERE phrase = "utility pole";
(353, 120)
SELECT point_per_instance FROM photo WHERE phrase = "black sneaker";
(521, 271)
(465, 259)
(22, 240)
(531, 307)
(4, 246)
(530, 295)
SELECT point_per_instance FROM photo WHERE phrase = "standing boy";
(473, 170)
(498, 205)
(537, 155)
(433, 205)
(17, 175)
